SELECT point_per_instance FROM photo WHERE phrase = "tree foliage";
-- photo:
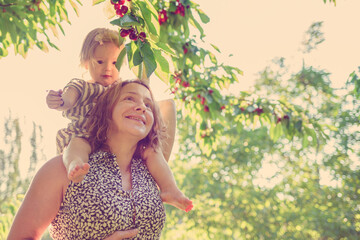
(15, 174)
(28, 23)
(278, 162)
(162, 38)
(252, 187)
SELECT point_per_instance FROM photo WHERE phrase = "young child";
(99, 54)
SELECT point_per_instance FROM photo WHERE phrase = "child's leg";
(76, 157)
(168, 113)
(163, 176)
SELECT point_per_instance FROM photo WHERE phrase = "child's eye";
(100, 62)
(114, 63)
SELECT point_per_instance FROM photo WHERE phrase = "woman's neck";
(123, 149)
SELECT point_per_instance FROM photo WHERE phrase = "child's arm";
(62, 101)
(76, 157)
(168, 113)
(163, 176)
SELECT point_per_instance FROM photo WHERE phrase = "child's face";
(102, 66)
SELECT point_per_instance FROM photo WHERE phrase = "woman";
(118, 194)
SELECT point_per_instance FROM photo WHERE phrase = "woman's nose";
(140, 107)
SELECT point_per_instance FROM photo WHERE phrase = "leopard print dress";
(98, 206)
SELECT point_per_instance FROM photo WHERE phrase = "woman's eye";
(129, 98)
(148, 105)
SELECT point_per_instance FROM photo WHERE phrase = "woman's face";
(133, 112)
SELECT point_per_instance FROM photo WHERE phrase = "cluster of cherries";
(186, 48)
(133, 34)
(185, 84)
(285, 117)
(259, 111)
(180, 9)
(119, 7)
(163, 16)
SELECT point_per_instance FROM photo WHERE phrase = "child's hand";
(54, 99)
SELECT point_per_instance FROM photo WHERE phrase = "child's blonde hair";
(97, 37)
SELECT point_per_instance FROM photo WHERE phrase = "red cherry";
(211, 91)
(124, 9)
(185, 50)
(162, 16)
(117, 6)
(121, 2)
(185, 84)
(206, 108)
(182, 10)
(177, 80)
(278, 120)
(3, 10)
(202, 100)
(174, 90)
(242, 109)
(133, 36)
(119, 13)
(259, 111)
(286, 117)
(124, 32)
(198, 96)
(222, 108)
(142, 36)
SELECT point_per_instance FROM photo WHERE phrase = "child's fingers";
(54, 93)
(54, 103)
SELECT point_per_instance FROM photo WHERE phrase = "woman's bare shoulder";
(54, 171)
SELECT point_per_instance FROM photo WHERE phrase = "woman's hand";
(118, 235)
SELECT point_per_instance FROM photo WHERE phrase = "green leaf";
(215, 47)
(126, 21)
(137, 58)
(197, 25)
(150, 16)
(163, 71)
(166, 48)
(130, 49)
(298, 126)
(75, 7)
(42, 46)
(204, 18)
(149, 59)
(95, 2)
(120, 59)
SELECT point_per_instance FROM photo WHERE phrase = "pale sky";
(254, 32)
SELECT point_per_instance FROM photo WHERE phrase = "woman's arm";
(42, 201)
(168, 113)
